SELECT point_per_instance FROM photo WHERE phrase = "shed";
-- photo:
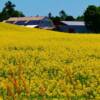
(73, 26)
(40, 21)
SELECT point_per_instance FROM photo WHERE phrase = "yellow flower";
(1, 98)
(4, 84)
(97, 97)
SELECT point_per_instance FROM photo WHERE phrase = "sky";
(43, 7)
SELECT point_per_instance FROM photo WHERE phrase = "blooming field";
(45, 65)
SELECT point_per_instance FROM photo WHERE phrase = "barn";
(72, 26)
(37, 21)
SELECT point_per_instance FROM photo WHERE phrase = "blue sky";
(42, 7)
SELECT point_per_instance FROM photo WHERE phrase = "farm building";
(37, 21)
(71, 26)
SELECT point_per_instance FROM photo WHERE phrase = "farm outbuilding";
(72, 26)
(37, 21)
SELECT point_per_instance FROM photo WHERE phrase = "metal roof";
(31, 26)
(26, 18)
(76, 23)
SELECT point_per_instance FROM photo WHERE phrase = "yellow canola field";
(37, 64)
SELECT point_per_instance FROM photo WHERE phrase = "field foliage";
(37, 64)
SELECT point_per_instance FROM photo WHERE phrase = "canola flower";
(1, 98)
(46, 65)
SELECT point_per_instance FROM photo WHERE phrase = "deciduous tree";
(9, 11)
(92, 18)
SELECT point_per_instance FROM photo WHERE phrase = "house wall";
(62, 28)
(46, 22)
(78, 29)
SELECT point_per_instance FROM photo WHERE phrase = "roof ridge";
(26, 18)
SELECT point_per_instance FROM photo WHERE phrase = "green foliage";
(80, 18)
(70, 18)
(92, 18)
(9, 11)
(57, 18)
(62, 15)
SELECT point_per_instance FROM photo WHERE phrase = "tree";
(9, 11)
(63, 15)
(50, 15)
(56, 19)
(92, 18)
(80, 18)
(70, 18)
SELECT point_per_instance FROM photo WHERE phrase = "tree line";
(91, 16)
(63, 16)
